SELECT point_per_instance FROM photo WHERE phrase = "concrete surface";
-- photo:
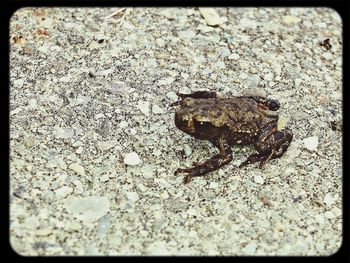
(94, 145)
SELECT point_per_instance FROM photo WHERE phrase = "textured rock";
(77, 168)
(311, 143)
(88, 209)
(132, 159)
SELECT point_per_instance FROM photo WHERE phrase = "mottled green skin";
(244, 120)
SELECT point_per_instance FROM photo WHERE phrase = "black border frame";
(8, 7)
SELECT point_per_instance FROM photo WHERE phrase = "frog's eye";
(273, 105)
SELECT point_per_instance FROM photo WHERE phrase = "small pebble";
(164, 195)
(123, 124)
(132, 159)
(63, 133)
(88, 209)
(185, 90)
(172, 95)
(144, 107)
(291, 19)
(105, 146)
(132, 196)
(166, 81)
(77, 168)
(319, 219)
(311, 143)
(327, 56)
(63, 191)
(211, 17)
(297, 82)
(157, 110)
(184, 75)
(187, 150)
(18, 83)
(329, 215)
(258, 179)
(249, 249)
(192, 212)
(329, 199)
(337, 211)
(213, 185)
(187, 34)
(233, 56)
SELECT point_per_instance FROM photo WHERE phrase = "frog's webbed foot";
(271, 147)
(218, 160)
(196, 95)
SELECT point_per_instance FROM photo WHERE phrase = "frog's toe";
(187, 179)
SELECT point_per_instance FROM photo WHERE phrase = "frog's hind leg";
(270, 147)
(217, 161)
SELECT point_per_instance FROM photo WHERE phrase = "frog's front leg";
(196, 95)
(218, 160)
(271, 144)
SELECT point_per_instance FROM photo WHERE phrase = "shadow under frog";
(242, 120)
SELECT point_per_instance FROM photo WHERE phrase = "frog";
(247, 120)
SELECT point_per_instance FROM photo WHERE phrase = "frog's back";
(237, 113)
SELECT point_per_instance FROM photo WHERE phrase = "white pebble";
(249, 249)
(104, 146)
(247, 23)
(157, 248)
(192, 212)
(233, 56)
(63, 191)
(258, 179)
(185, 90)
(337, 211)
(32, 104)
(172, 95)
(327, 56)
(211, 17)
(220, 64)
(157, 110)
(164, 195)
(187, 34)
(166, 81)
(132, 196)
(123, 124)
(328, 199)
(187, 150)
(77, 168)
(297, 82)
(18, 83)
(132, 159)
(311, 143)
(268, 76)
(63, 133)
(291, 19)
(184, 75)
(319, 219)
(329, 215)
(213, 185)
(88, 209)
(144, 107)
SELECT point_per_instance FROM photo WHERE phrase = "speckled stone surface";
(93, 145)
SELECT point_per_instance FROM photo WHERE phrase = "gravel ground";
(93, 145)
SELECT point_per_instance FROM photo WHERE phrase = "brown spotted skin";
(243, 120)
